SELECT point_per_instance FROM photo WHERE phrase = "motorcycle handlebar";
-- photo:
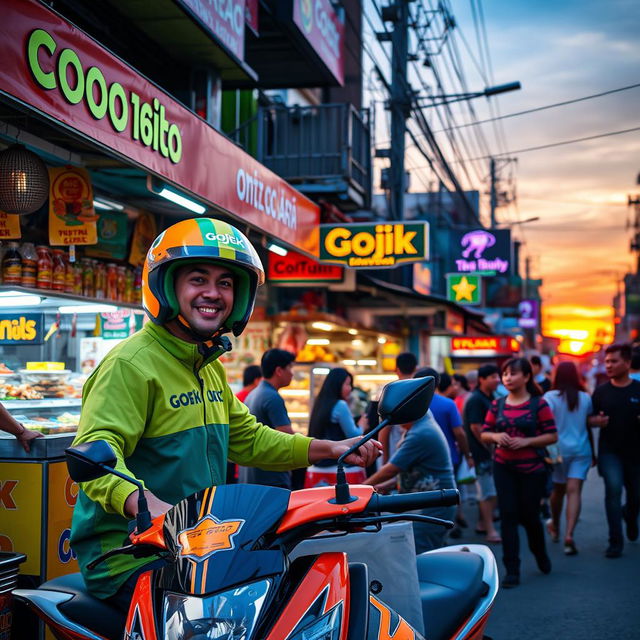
(399, 503)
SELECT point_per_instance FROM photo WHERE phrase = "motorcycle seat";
(451, 586)
(86, 610)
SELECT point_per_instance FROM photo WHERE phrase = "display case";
(300, 394)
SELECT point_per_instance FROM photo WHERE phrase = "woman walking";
(331, 419)
(520, 425)
(571, 408)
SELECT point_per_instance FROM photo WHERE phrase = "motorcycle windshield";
(213, 538)
(230, 615)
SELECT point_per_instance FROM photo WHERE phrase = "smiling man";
(161, 399)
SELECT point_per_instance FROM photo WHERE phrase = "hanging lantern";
(24, 181)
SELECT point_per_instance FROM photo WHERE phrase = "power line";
(558, 144)
(548, 106)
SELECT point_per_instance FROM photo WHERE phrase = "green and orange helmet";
(195, 241)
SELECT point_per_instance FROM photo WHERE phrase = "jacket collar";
(186, 352)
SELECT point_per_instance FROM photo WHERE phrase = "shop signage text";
(294, 267)
(145, 122)
(364, 245)
(320, 26)
(66, 76)
(224, 19)
(484, 345)
(23, 328)
(9, 226)
(528, 312)
(482, 250)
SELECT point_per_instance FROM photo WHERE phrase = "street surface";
(585, 596)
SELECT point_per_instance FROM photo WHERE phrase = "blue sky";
(558, 51)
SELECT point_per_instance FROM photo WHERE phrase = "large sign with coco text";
(56, 69)
(366, 245)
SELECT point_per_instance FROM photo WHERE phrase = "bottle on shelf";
(45, 267)
(29, 265)
(59, 270)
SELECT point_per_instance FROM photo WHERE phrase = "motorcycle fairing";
(325, 586)
(386, 624)
(210, 536)
(140, 620)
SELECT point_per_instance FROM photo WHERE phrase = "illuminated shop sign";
(320, 26)
(54, 68)
(481, 250)
(224, 19)
(294, 267)
(22, 328)
(484, 346)
(77, 82)
(364, 245)
(528, 314)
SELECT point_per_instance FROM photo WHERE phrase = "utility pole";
(400, 103)
(493, 193)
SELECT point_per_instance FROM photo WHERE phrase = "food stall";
(321, 342)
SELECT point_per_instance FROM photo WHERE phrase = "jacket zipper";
(204, 403)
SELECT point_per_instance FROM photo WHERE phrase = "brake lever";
(413, 517)
(135, 550)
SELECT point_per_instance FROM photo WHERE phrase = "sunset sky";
(558, 51)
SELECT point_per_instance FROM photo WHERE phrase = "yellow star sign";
(464, 288)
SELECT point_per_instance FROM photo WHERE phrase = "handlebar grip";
(410, 501)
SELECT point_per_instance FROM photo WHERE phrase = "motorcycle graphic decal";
(207, 537)
(388, 625)
(140, 619)
(323, 589)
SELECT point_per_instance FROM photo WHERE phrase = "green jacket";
(172, 421)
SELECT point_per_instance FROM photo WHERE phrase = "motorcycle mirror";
(87, 461)
(92, 460)
(400, 402)
(405, 401)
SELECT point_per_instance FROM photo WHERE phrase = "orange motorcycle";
(226, 573)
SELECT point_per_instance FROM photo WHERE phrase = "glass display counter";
(299, 395)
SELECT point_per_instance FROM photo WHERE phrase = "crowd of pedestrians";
(515, 439)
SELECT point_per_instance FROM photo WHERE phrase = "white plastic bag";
(465, 473)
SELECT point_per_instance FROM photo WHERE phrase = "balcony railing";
(325, 150)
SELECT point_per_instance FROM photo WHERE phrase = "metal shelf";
(45, 403)
(52, 296)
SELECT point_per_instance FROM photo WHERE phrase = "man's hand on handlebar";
(365, 456)
(156, 506)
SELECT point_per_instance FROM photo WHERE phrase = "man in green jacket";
(161, 399)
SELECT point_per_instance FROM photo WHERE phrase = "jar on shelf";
(69, 275)
(137, 285)
(12, 264)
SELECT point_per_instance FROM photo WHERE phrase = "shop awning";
(195, 31)
(305, 38)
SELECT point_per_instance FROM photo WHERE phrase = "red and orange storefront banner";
(56, 69)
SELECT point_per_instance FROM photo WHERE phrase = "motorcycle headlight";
(325, 628)
(230, 615)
